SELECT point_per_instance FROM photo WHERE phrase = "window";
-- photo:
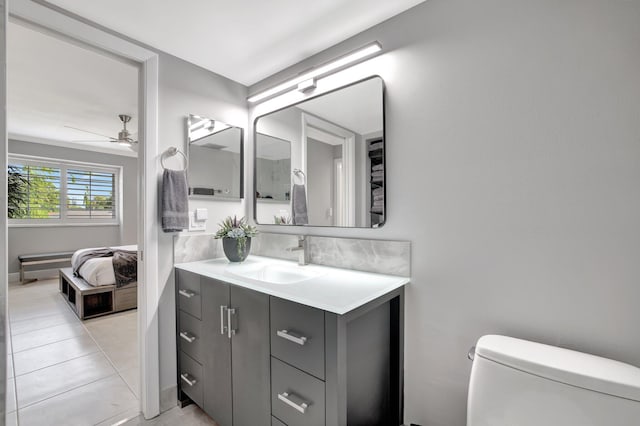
(47, 191)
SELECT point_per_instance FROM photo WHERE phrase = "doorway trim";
(322, 130)
(49, 20)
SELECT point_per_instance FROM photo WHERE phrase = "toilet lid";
(563, 365)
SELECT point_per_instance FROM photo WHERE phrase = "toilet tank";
(520, 383)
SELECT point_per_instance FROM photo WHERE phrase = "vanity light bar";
(351, 58)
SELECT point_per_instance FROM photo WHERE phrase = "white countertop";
(332, 289)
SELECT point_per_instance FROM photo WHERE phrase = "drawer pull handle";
(188, 337)
(186, 293)
(301, 340)
(230, 330)
(188, 379)
(223, 328)
(284, 397)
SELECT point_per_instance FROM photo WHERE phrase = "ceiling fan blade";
(89, 131)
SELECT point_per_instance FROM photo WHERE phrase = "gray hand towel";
(175, 201)
(299, 205)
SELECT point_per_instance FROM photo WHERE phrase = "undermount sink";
(276, 273)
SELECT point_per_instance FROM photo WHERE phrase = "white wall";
(319, 182)
(32, 240)
(513, 142)
(187, 89)
(3, 207)
(215, 168)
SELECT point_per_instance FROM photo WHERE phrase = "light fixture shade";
(335, 65)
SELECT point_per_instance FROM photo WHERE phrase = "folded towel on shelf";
(378, 191)
(375, 145)
(377, 167)
(378, 197)
(299, 205)
(376, 209)
(379, 173)
(378, 203)
(175, 200)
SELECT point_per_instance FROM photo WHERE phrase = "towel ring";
(299, 172)
(170, 153)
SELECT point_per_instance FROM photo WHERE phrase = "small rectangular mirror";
(215, 159)
(321, 162)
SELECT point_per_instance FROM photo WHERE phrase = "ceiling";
(357, 108)
(53, 84)
(244, 40)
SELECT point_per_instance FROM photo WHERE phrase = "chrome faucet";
(303, 249)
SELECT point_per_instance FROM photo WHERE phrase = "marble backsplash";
(381, 256)
(194, 247)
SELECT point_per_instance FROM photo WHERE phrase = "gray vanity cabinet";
(230, 379)
(216, 348)
(337, 370)
(250, 359)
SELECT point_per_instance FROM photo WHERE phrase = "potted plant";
(236, 238)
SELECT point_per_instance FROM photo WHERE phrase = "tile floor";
(63, 371)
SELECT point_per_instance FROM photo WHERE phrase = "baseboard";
(40, 274)
(168, 398)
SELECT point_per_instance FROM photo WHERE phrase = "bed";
(101, 281)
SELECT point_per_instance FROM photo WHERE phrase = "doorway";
(332, 173)
(47, 20)
(71, 188)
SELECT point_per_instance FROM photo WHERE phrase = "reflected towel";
(175, 201)
(377, 167)
(299, 205)
(378, 191)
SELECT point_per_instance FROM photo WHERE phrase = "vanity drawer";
(191, 378)
(276, 422)
(297, 335)
(189, 299)
(190, 336)
(296, 397)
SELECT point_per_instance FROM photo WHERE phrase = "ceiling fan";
(124, 136)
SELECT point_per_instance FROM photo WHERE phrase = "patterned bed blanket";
(125, 263)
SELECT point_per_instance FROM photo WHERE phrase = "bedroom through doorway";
(73, 203)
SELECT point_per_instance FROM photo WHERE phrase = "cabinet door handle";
(284, 397)
(223, 328)
(285, 334)
(186, 377)
(186, 293)
(230, 330)
(187, 336)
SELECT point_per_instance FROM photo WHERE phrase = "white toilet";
(519, 383)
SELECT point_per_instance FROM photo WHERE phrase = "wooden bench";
(41, 259)
(88, 301)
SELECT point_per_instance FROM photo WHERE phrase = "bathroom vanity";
(268, 342)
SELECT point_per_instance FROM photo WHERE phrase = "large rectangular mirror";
(321, 162)
(215, 159)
